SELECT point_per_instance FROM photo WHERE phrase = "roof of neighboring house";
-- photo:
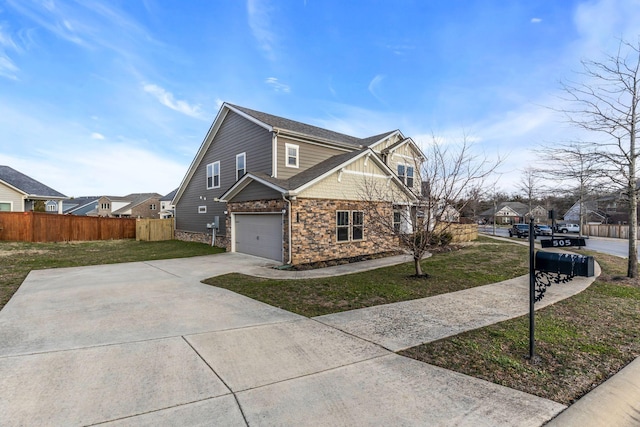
(79, 205)
(169, 197)
(134, 200)
(519, 207)
(27, 185)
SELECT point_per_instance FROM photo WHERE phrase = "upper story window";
(405, 173)
(241, 165)
(105, 205)
(152, 206)
(213, 175)
(292, 155)
(51, 207)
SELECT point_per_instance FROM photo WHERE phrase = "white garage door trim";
(257, 225)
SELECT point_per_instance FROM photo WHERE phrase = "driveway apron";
(147, 344)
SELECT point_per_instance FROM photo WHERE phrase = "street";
(617, 247)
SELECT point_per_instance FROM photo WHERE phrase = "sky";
(115, 97)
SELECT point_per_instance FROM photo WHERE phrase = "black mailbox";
(569, 264)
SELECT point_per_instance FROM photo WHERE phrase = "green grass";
(580, 341)
(17, 259)
(486, 261)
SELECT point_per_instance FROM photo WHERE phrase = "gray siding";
(309, 155)
(257, 191)
(235, 135)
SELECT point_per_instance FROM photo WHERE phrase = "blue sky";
(113, 97)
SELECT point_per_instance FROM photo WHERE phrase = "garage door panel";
(259, 235)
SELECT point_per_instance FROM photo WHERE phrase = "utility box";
(569, 264)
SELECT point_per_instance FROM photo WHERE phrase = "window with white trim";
(5, 206)
(152, 206)
(342, 226)
(292, 155)
(52, 208)
(241, 165)
(349, 226)
(405, 173)
(202, 209)
(213, 175)
(397, 221)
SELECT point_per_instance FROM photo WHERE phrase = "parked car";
(543, 230)
(519, 230)
(568, 228)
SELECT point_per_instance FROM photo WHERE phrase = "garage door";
(259, 235)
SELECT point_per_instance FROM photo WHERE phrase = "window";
(349, 225)
(105, 205)
(401, 172)
(292, 155)
(52, 208)
(213, 175)
(5, 206)
(342, 223)
(405, 173)
(241, 165)
(152, 206)
(357, 225)
(202, 209)
(397, 220)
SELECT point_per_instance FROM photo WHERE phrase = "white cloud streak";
(259, 19)
(277, 85)
(8, 68)
(374, 86)
(167, 99)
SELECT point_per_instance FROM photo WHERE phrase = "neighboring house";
(292, 192)
(540, 214)
(506, 213)
(20, 193)
(606, 210)
(79, 206)
(167, 208)
(135, 205)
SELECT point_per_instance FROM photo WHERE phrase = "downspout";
(274, 153)
(289, 217)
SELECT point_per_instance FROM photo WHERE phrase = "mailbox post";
(547, 268)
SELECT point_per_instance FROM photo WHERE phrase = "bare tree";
(606, 104)
(573, 164)
(529, 186)
(447, 172)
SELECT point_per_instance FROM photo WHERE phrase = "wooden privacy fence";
(154, 230)
(608, 230)
(45, 227)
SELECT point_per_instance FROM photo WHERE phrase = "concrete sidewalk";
(148, 344)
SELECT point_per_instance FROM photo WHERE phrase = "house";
(135, 205)
(292, 192)
(21, 193)
(514, 213)
(167, 208)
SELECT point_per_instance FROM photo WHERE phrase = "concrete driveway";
(147, 344)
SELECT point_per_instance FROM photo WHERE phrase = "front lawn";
(581, 341)
(483, 262)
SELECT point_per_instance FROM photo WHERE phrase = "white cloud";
(259, 16)
(374, 86)
(536, 20)
(167, 99)
(96, 135)
(8, 68)
(276, 85)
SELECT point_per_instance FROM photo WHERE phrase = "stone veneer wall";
(314, 231)
(192, 236)
(313, 228)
